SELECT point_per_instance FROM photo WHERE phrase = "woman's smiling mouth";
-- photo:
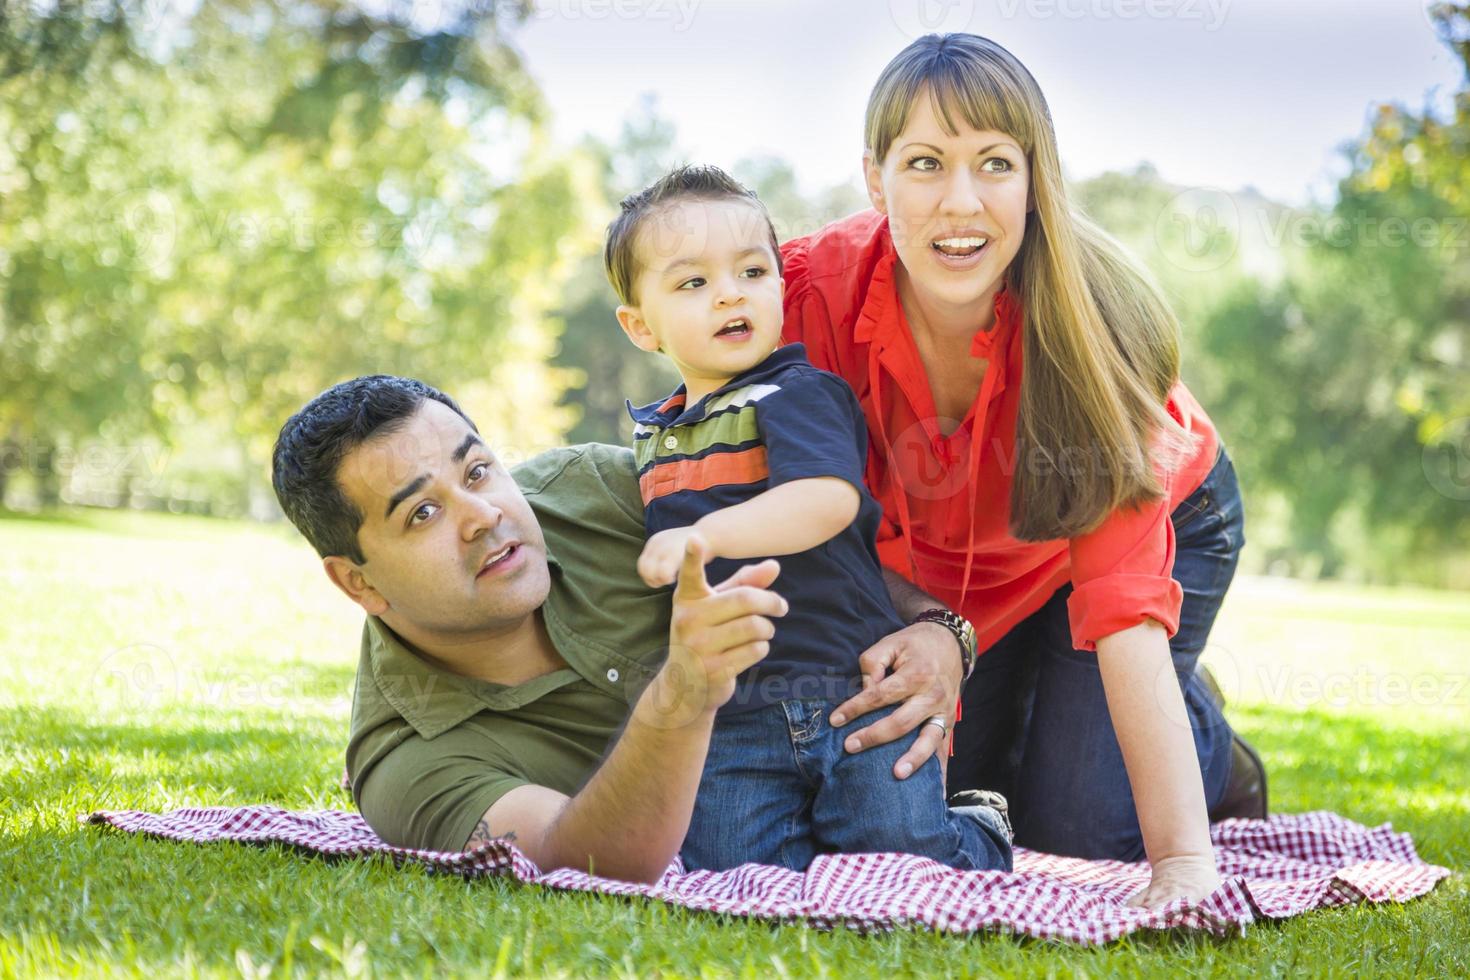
(960, 252)
(967, 245)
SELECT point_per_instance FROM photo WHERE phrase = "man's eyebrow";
(470, 440)
(404, 494)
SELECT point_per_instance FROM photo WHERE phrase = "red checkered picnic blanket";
(1272, 869)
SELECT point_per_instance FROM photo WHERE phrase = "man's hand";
(630, 819)
(1190, 877)
(662, 555)
(927, 670)
(715, 633)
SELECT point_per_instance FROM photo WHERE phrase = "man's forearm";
(630, 819)
(908, 599)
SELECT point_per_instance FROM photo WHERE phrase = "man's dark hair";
(314, 441)
(689, 183)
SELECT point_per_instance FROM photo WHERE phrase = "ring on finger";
(938, 720)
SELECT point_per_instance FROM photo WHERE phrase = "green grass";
(154, 662)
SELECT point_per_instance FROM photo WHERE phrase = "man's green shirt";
(431, 751)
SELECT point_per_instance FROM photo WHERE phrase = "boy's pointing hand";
(663, 553)
(715, 633)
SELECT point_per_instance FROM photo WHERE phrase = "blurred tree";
(1332, 345)
(1377, 341)
(209, 214)
(608, 369)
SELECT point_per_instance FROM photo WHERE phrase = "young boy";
(762, 455)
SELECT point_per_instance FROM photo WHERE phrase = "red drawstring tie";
(982, 346)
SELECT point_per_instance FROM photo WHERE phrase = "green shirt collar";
(434, 700)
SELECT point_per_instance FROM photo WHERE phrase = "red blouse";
(946, 499)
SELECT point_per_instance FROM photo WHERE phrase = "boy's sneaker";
(986, 798)
(1245, 793)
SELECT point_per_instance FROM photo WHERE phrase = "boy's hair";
(688, 183)
(314, 441)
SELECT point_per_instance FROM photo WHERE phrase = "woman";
(1043, 473)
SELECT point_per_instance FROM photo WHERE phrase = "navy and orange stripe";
(720, 448)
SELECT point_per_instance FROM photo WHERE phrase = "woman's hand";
(1189, 876)
(926, 665)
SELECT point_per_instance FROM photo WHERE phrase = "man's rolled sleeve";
(430, 794)
(813, 427)
(1122, 575)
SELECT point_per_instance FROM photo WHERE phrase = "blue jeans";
(778, 788)
(1035, 721)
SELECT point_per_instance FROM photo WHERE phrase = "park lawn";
(152, 662)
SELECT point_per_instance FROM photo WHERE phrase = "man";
(508, 636)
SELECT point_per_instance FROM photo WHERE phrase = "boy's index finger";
(692, 583)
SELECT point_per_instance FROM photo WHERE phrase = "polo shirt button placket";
(672, 442)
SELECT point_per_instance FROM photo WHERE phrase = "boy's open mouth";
(739, 327)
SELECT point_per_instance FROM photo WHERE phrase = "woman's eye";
(422, 511)
(479, 468)
(925, 164)
(694, 283)
(1005, 165)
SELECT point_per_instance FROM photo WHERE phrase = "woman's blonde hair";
(1101, 346)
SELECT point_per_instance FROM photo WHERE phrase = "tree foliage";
(207, 217)
(209, 212)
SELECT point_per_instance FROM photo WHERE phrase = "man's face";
(453, 550)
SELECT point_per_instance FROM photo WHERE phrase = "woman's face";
(956, 206)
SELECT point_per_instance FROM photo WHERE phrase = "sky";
(1214, 93)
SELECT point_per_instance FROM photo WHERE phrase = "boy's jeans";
(779, 788)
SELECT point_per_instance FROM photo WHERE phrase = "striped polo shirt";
(780, 421)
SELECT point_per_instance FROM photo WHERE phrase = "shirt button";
(612, 675)
(672, 442)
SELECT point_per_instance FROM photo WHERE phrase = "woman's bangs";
(981, 99)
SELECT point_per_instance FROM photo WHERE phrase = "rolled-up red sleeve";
(1122, 575)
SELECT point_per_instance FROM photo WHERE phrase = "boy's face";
(708, 293)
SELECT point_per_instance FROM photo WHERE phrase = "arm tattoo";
(481, 835)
